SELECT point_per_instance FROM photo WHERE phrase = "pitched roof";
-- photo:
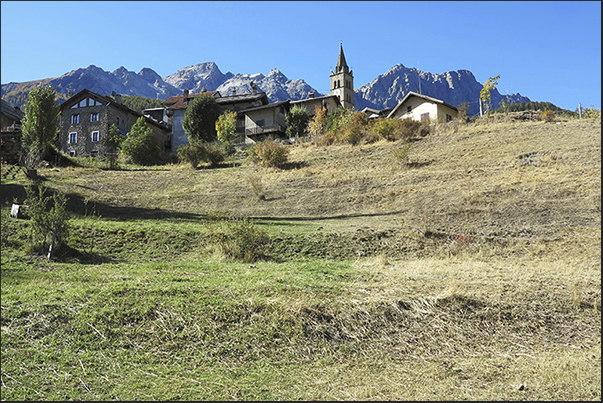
(267, 106)
(233, 99)
(181, 102)
(109, 102)
(72, 100)
(425, 97)
(324, 97)
(11, 111)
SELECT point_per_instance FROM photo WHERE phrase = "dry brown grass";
(479, 275)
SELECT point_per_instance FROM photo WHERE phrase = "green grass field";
(471, 271)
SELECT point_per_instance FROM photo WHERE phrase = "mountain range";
(453, 87)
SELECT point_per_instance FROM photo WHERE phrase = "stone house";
(85, 120)
(10, 138)
(330, 102)
(423, 108)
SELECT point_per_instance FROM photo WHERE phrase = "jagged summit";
(453, 87)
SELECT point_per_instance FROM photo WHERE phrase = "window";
(94, 136)
(94, 117)
(93, 154)
(83, 103)
(117, 121)
(448, 118)
(408, 109)
(75, 119)
(74, 106)
(72, 138)
(72, 153)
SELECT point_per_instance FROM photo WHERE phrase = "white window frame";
(97, 136)
(75, 119)
(94, 117)
(73, 136)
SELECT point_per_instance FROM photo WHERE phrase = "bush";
(201, 152)
(45, 220)
(140, 147)
(354, 129)
(548, 116)
(269, 154)
(385, 128)
(408, 129)
(239, 239)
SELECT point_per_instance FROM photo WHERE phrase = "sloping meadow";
(469, 270)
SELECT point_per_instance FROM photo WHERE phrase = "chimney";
(234, 91)
(185, 92)
(118, 98)
(69, 94)
(204, 90)
(311, 95)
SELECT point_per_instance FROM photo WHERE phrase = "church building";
(342, 81)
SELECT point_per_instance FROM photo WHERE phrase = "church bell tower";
(342, 81)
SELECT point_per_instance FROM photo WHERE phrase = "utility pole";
(580, 110)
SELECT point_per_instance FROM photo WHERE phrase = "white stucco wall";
(420, 106)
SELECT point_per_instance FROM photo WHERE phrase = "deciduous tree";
(297, 120)
(40, 124)
(199, 122)
(226, 126)
(485, 93)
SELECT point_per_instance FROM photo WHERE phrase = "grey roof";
(341, 59)
(12, 111)
(267, 106)
(299, 101)
(241, 98)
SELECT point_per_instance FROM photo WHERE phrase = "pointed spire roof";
(341, 63)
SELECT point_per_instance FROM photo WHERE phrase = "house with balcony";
(259, 123)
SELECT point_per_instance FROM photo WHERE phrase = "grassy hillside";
(468, 270)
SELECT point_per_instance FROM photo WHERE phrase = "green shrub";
(200, 151)
(140, 147)
(239, 239)
(269, 154)
(48, 215)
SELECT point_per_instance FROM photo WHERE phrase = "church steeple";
(342, 66)
(342, 81)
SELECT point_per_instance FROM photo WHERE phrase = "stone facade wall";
(10, 146)
(109, 114)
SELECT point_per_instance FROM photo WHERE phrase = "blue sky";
(547, 51)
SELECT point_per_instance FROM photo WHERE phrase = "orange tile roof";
(180, 102)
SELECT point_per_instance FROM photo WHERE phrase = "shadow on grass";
(325, 218)
(12, 193)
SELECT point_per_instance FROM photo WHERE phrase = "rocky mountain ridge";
(453, 87)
